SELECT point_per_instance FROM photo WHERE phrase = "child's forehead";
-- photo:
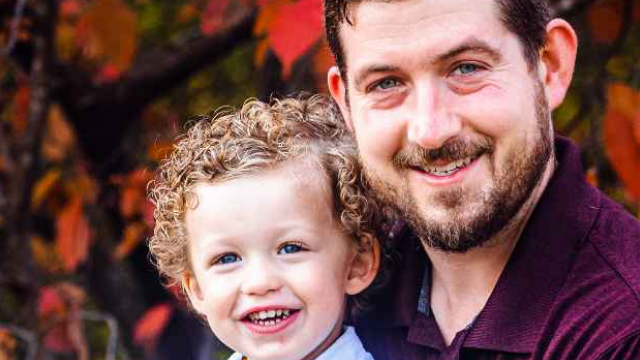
(303, 177)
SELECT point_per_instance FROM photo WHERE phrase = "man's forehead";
(364, 12)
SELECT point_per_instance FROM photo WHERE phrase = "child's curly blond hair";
(229, 144)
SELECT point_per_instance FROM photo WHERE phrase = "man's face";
(452, 126)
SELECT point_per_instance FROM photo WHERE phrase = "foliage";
(93, 92)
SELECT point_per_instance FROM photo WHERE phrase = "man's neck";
(462, 283)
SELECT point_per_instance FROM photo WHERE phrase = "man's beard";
(499, 204)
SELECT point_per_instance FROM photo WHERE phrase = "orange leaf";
(260, 54)
(43, 187)
(605, 20)
(108, 31)
(295, 28)
(151, 325)
(8, 345)
(159, 150)
(134, 233)
(44, 255)
(592, 176)
(59, 137)
(622, 99)
(66, 40)
(186, 13)
(623, 150)
(72, 235)
(213, 17)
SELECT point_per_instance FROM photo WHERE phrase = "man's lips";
(447, 174)
(442, 168)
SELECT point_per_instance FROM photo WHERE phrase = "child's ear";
(191, 287)
(364, 267)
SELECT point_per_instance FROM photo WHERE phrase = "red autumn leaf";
(147, 214)
(70, 8)
(20, 109)
(72, 235)
(213, 17)
(605, 20)
(636, 128)
(107, 73)
(623, 150)
(151, 325)
(49, 301)
(322, 61)
(294, 30)
(133, 194)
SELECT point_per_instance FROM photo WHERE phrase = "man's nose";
(260, 278)
(431, 120)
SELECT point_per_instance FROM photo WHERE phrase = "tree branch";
(18, 266)
(102, 114)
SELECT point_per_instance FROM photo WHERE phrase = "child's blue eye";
(290, 249)
(226, 259)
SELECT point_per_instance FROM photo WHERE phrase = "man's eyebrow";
(472, 44)
(361, 75)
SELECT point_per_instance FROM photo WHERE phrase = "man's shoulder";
(615, 236)
(598, 307)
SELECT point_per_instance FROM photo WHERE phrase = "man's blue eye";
(387, 84)
(227, 259)
(466, 69)
(290, 249)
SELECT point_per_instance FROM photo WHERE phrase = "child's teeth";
(269, 317)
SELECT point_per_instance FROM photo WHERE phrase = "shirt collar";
(513, 317)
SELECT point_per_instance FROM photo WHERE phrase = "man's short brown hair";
(525, 18)
(229, 144)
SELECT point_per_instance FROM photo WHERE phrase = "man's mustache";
(452, 150)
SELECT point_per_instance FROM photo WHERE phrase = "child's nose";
(260, 278)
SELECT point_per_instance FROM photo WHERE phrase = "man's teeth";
(269, 317)
(448, 169)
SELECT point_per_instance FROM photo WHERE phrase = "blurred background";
(92, 93)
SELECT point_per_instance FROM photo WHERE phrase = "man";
(450, 102)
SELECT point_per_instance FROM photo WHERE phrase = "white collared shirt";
(347, 347)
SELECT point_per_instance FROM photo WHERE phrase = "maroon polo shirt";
(571, 289)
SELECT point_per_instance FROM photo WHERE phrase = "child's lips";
(270, 325)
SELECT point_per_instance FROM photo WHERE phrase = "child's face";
(268, 246)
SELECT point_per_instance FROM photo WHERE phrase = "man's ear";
(363, 268)
(558, 59)
(191, 287)
(339, 93)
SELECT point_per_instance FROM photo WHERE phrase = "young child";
(261, 217)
